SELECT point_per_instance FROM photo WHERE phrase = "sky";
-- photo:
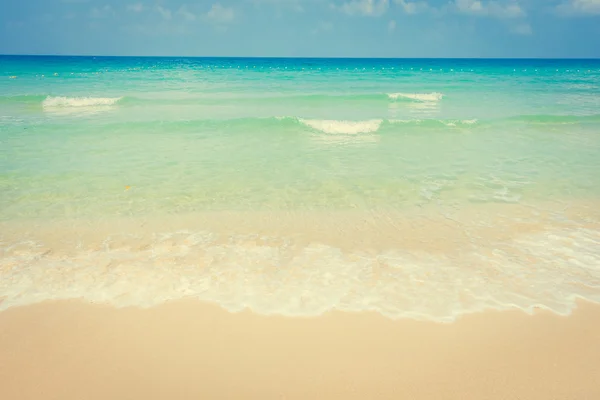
(303, 28)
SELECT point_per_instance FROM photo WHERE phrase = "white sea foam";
(277, 276)
(52, 102)
(439, 121)
(405, 121)
(428, 97)
(460, 122)
(343, 127)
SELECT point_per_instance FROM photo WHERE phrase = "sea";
(413, 188)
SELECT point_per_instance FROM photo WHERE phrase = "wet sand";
(435, 229)
(192, 350)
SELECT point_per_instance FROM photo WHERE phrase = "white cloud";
(491, 8)
(220, 15)
(579, 7)
(391, 26)
(177, 21)
(186, 14)
(294, 5)
(136, 7)
(167, 14)
(372, 8)
(469, 6)
(497, 9)
(164, 12)
(413, 7)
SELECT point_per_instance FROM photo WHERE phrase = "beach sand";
(191, 350)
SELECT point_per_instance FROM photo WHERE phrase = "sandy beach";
(192, 350)
(190, 228)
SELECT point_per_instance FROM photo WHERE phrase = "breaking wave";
(428, 97)
(343, 127)
(51, 102)
(48, 100)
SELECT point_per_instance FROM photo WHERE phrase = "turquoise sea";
(421, 188)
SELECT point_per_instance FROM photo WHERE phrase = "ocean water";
(416, 188)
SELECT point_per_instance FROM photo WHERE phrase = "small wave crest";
(59, 101)
(460, 122)
(426, 97)
(433, 122)
(343, 127)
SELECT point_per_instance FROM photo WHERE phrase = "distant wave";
(291, 124)
(344, 127)
(429, 97)
(78, 105)
(433, 122)
(340, 126)
(317, 99)
(373, 125)
(51, 101)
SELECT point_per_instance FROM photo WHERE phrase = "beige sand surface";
(190, 350)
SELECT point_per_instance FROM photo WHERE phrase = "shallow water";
(480, 173)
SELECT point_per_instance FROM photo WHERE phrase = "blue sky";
(296, 28)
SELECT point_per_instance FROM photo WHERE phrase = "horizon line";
(299, 57)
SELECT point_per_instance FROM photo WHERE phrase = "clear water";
(87, 140)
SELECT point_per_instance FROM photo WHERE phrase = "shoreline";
(431, 264)
(189, 350)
